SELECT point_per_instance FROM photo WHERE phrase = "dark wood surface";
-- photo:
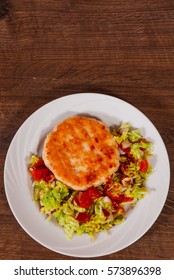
(52, 48)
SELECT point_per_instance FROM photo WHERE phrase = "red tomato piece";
(126, 150)
(83, 217)
(106, 213)
(108, 180)
(40, 173)
(85, 200)
(123, 198)
(144, 166)
(94, 193)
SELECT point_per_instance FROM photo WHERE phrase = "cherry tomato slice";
(83, 217)
(40, 174)
(85, 200)
(144, 166)
(39, 171)
(94, 193)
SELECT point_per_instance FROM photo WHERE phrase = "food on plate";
(104, 201)
(81, 152)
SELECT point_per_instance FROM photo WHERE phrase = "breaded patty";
(81, 152)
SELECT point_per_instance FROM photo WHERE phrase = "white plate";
(29, 139)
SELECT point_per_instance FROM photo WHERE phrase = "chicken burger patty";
(81, 152)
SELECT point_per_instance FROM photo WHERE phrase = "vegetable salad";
(98, 208)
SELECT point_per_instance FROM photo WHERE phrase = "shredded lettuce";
(134, 135)
(137, 149)
(121, 134)
(126, 132)
(33, 159)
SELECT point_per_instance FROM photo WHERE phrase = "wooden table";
(53, 48)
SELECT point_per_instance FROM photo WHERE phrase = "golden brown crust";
(81, 152)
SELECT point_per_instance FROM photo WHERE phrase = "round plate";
(29, 139)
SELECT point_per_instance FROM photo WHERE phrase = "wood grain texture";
(52, 48)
